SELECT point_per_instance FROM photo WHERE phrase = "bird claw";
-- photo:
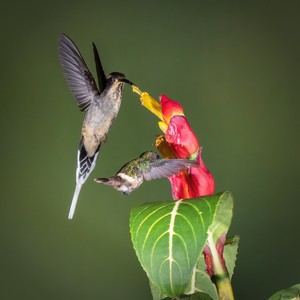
(101, 140)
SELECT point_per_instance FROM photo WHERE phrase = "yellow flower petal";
(135, 89)
(163, 126)
(163, 147)
(150, 103)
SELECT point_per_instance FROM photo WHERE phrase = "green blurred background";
(235, 68)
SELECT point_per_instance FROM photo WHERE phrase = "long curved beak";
(126, 81)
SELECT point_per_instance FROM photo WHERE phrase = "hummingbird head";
(117, 78)
(149, 155)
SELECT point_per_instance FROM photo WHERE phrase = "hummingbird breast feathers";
(133, 182)
(97, 124)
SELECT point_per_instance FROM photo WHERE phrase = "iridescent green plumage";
(147, 166)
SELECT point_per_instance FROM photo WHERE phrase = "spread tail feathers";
(85, 166)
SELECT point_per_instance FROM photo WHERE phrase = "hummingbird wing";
(100, 72)
(160, 168)
(79, 78)
(85, 166)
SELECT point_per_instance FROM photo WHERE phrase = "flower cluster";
(179, 141)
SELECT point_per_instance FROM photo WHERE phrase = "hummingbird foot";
(100, 140)
(104, 138)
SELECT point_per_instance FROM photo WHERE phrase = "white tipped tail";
(74, 200)
(85, 165)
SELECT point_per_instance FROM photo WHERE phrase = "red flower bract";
(182, 141)
(194, 183)
(201, 181)
(181, 138)
(170, 108)
(180, 186)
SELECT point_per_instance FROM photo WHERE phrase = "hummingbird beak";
(126, 81)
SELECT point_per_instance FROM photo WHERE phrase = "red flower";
(183, 143)
(195, 183)
(180, 186)
(201, 181)
(179, 142)
(181, 138)
(170, 108)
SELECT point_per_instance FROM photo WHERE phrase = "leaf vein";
(198, 211)
(146, 218)
(153, 248)
(185, 248)
(149, 231)
(191, 226)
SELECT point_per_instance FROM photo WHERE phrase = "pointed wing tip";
(194, 164)
(61, 35)
(99, 68)
(79, 78)
(63, 38)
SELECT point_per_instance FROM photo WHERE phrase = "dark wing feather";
(100, 72)
(160, 168)
(80, 80)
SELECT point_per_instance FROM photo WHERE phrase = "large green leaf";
(169, 237)
(292, 293)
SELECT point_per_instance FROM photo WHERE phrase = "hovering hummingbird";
(101, 103)
(148, 166)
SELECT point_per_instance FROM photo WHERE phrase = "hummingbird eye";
(110, 80)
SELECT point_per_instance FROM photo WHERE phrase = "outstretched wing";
(100, 72)
(79, 78)
(160, 168)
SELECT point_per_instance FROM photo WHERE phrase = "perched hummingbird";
(148, 166)
(101, 103)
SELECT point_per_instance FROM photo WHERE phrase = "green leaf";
(156, 293)
(230, 253)
(196, 296)
(222, 218)
(169, 237)
(200, 280)
(292, 293)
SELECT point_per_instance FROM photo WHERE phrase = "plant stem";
(220, 276)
